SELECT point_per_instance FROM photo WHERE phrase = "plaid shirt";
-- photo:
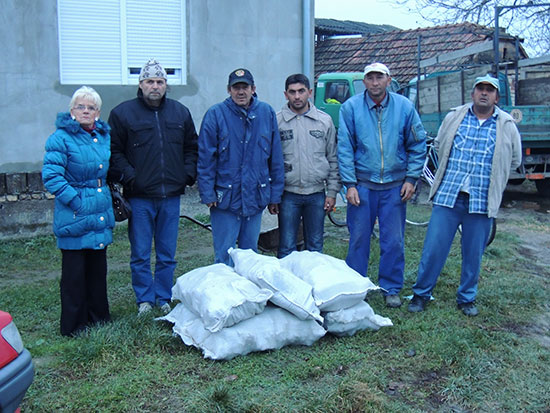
(469, 164)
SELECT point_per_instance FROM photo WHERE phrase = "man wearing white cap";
(477, 144)
(154, 154)
(381, 152)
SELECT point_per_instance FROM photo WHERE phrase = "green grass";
(435, 361)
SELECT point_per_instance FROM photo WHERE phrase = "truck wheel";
(543, 186)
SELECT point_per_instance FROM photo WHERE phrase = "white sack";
(289, 291)
(335, 285)
(272, 329)
(219, 295)
(351, 320)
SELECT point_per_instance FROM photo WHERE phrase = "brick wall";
(26, 208)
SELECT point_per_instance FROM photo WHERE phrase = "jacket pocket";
(265, 147)
(174, 133)
(223, 196)
(141, 134)
(223, 149)
(263, 194)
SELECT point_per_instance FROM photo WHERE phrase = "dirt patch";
(526, 214)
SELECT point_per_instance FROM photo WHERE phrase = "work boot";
(468, 309)
(393, 301)
(417, 304)
(165, 308)
(144, 308)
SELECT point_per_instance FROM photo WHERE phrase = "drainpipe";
(307, 40)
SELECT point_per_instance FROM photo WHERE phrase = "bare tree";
(531, 23)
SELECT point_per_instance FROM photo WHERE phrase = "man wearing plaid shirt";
(477, 144)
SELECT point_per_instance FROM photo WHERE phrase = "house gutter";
(307, 40)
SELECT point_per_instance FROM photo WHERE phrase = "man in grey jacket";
(477, 144)
(311, 165)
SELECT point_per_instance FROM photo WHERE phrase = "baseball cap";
(488, 79)
(240, 76)
(377, 67)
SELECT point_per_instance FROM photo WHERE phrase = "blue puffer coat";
(75, 169)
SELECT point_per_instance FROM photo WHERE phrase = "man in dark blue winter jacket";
(154, 154)
(240, 167)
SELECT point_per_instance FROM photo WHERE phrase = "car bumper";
(15, 379)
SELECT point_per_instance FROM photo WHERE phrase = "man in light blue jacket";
(381, 152)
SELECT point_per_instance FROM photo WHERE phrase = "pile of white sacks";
(224, 311)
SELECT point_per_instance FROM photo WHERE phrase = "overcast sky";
(368, 11)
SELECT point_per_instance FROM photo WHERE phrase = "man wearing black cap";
(240, 167)
(477, 145)
(154, 154)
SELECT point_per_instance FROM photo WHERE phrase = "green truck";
(436, 93)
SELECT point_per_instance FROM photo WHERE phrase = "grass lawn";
(438, 360)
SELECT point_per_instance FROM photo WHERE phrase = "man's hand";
(329, 204)
(353, 196)
(211, 204)
(407, 191)
(273, 209)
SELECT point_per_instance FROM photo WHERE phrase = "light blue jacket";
(75, 169)
(381, 146)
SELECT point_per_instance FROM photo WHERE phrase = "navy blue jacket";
(75, 170)
(240, 162)
(153, 149)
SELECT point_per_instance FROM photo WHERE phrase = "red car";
(16, 369)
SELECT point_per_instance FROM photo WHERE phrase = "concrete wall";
(262, 35)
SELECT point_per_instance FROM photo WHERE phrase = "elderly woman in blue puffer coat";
(75, 170)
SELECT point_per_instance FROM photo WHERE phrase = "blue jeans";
(444, 222)
(386, 205)
(229, 228)
(158, 219)
(296, 207)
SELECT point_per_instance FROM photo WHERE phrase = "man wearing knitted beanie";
(154, 155)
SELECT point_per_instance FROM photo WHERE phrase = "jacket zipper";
(379, 114)
(162, 162)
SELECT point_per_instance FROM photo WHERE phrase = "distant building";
(398, 49)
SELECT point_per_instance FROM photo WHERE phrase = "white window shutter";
(101, 41)
(156, 28)
(89, 41)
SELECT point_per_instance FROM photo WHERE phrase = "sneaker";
(468, 309)
(417, 304)
(144, 308)
(393, 301)
(165, 308)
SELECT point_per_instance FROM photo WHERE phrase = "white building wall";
(264, 36)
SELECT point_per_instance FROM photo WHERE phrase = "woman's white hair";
(86, 92)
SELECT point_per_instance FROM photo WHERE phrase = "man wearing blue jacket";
(381, 152)
(240, 167)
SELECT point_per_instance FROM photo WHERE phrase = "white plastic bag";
(219, 295)
(348, 321)
(289, 291)
(272, 329)
(335, 285)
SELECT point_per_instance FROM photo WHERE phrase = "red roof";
(398, 49)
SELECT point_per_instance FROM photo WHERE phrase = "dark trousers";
(83, 289)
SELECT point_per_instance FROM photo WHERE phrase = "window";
(337, 91)
(107, 42)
